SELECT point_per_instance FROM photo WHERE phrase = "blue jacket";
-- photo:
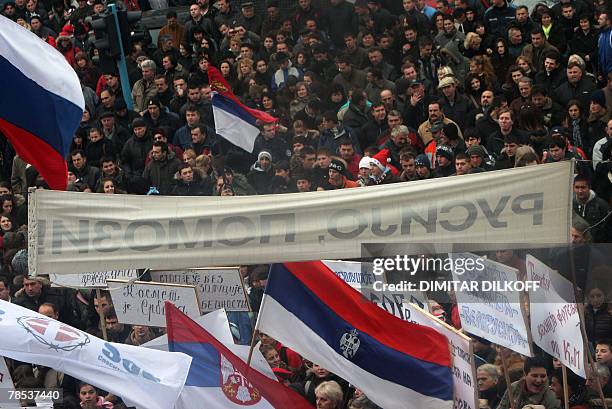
(605, 51)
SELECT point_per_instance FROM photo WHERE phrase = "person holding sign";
(532, 388)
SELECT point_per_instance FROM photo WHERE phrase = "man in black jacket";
(35, 293)
(190, 183)
(590, 207)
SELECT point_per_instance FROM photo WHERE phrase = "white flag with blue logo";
(144, 378)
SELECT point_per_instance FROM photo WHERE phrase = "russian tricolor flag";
(234, 121)
(218, 379)
(397, 364)
(41, 102)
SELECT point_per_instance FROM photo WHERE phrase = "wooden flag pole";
(253, 342)
(507, 377)
(565, 388)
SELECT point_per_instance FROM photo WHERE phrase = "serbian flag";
(397, 364)
(41, 102)
(220, 378)
(234, 121)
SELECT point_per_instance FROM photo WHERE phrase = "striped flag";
(397, 364)
(41, 103)
(234, 121)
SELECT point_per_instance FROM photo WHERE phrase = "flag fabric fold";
(219, 377)
(41, 103)
(233, 120)
(397, 364)
(142, 377)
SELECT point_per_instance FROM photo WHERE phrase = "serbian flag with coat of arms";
(397, 364)
(233, 120)
(220, 378)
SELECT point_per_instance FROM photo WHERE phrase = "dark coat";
(598, 324)
(63, 299)
(341, 19)
(580, 91)
(198, 187)
(161, 173)
(134, 154)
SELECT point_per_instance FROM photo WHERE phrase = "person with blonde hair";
(329, 395)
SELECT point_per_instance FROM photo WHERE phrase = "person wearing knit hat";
(444, 157)
(364, 171)
(479, 157)
(261, 173)
(376, 168)
(336, 179)
(385, 157)
(423, 166)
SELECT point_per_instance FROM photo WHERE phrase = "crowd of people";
(365, 93)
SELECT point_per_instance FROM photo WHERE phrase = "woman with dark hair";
(199, 72)
(576, 122)
(500, 58)
(185, 58)
(487, 39)
(90, 399)
(79, 140)
(229, 73)
(335, 98)
(553, 31)
(263, 76)
(301, 62)
(268, 101)
(88, 74)
(584, 42)
(6, 224)
(473, 90)
(438, 26)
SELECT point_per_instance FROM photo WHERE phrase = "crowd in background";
(375, 92)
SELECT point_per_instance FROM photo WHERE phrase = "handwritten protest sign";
(497, 316)
(142, 303)
(360, 276)
(219, 287)
(555, 322)
(91, 280)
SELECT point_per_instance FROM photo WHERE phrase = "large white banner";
(555, 322)
(71, 232)
(144, 378)
(495, 315)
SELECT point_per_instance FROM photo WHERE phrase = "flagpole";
(256, 329)
(565, 390)
(507, 377)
